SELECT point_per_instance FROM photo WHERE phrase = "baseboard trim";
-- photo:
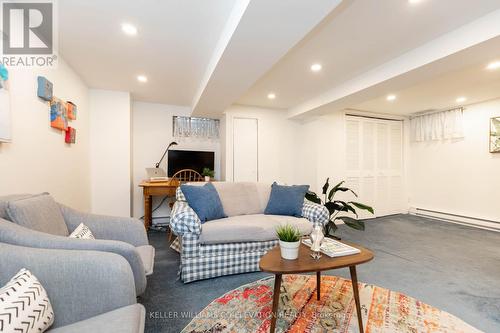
(458, 219)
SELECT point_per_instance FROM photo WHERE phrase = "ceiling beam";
(257, 35)
(369, 84)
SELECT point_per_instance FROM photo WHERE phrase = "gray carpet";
(452, 267)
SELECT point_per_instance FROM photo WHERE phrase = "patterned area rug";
(248, 309)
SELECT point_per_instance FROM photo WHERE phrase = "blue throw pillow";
(205, 201)
(286, 200)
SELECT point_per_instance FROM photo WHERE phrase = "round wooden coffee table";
(273, 263)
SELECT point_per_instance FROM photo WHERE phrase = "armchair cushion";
(38, 212)
(4, 202)
(25, 301)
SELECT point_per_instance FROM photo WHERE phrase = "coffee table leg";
(318, 284)
(354, 280)
(276, 300)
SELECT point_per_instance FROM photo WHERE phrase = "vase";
(316, 240)
(207, 178)
(289, 250)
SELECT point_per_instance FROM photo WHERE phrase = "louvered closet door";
(374, 163)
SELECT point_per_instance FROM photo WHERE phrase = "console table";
(150, 189)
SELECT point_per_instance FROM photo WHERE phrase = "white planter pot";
(289, 251)
(207, 178)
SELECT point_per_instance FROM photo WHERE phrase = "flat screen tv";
(189, 159)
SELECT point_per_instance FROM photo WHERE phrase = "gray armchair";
(89, 291)
(120, 235)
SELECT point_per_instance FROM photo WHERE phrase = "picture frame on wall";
(5, 112)
(495, 135)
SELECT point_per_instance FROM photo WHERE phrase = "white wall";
(276, 143)
(461, 176)
(110, 152)
(293, 152)
(151, 134)
(322, 150)
(38, 159)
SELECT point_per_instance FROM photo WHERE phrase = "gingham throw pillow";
(25, 305)
(82, 232)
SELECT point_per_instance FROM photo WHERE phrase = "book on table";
(333, 248)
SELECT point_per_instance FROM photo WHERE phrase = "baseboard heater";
(455, 218)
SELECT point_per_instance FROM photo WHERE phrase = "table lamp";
(173, 143)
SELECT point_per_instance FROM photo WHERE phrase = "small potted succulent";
(289, 238)
(208, 174)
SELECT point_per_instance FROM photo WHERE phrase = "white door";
(245, 150)
(374, 164)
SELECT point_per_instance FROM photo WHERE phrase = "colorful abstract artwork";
(495, 135)
(44, 90)
(58, 117)
(61, 112)
(4, 73)
(71, 110)
(5, 113)
(70, 135)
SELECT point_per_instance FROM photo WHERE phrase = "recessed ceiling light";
(316, 67)
(461, 99)
(413, 2)
(391, 98)
(142, 78)
(129, 29)
(271, 95)
(493, 65)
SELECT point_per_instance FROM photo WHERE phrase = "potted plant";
(208, 174)
(336, 207)
(289, 238)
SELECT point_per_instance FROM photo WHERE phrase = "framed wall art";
(495, 135)
(5, 113)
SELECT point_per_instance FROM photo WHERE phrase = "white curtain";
(437, 126)
(201, 128)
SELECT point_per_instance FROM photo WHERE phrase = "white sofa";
(234, 244)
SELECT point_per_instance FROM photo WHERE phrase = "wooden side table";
(150, 189)
(273, 263)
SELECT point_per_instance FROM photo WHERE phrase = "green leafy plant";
(336, 207)
(208, 173)
(288, 233)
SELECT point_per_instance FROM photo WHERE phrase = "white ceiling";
(438, 85)
(357, 37)
(265, 32)
(175, 42)
(210, 54)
